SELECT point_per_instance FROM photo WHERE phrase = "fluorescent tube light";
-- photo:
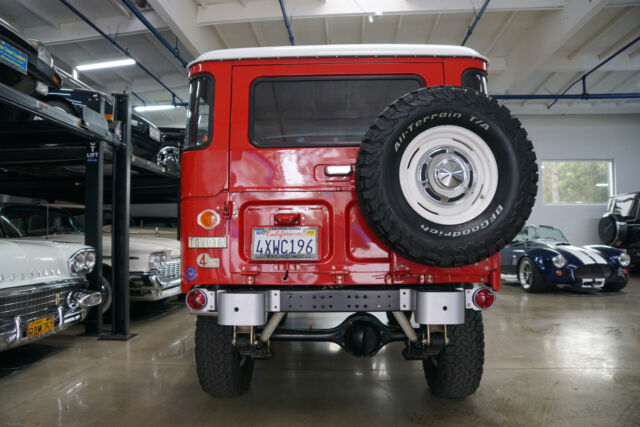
(107, 64)
(158, 107)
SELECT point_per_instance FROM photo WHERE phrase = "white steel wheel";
(448, 175)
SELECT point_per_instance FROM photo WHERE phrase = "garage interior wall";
(589, 137)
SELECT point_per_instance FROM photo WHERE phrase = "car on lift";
(540, 257)
(146, 138)
(156, 225)
(43, 289)
(25, 64)
(154, 261)
(351, 179)
(620, 225)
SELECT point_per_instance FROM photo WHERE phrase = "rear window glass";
(294, 112)
(200, 113)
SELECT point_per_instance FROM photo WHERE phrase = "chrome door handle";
(342, 170)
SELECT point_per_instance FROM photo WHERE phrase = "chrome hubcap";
(168, 154)
(526, 275)
(445, 175)
(448, 175)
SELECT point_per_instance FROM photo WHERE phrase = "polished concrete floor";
(556, 359)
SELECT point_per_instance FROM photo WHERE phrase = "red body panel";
(248, 186)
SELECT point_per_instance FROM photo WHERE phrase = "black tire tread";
(460, 363)
(539, 284)
(379, 215)
(218, 361)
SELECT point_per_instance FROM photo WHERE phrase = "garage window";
(325, 111)
(577, 181)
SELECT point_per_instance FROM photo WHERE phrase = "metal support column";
(120, 231)
(93, 200)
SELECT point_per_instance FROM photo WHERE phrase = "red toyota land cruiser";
(348, 178)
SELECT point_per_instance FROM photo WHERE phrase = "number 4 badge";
(206, 261)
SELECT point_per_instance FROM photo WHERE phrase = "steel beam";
(120, 231)
(94, 204)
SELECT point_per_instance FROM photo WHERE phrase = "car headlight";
(90, 260)
(83, 261)
(157, 260)
(559, 261)
(624, 260)
(45, 56)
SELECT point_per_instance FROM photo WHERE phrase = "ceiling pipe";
(583, 78)
(124, 51)
(475, 21)
(155, 32)
(585, 96)
(139, 98)
(286, 23)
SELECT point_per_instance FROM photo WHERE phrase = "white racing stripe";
(578, 253)
(596, 255)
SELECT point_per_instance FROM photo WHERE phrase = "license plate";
(13, 57)
(283, 243)
(40, 327)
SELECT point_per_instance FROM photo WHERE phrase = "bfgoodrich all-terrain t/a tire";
(221, 369)
(446, 176)
(456, 371)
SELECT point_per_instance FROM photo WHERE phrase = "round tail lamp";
(196, 299)
(484, 298)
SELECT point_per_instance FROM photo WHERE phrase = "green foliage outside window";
(577, 181)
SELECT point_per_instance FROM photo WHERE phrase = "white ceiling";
(535, 46)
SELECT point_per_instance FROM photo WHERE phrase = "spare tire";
(446, 176)
(612, 229)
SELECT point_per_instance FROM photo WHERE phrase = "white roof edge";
(338, 50)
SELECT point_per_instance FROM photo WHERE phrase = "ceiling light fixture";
(159, 107)
(107, 64)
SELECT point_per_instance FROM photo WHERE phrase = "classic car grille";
(171, 271)
(32, 303)
(593, 271)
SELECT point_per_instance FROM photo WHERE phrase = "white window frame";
(612, 178)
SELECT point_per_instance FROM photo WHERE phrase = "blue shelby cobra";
(540, 257)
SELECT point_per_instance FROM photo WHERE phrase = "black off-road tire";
(457, 370)
(221, 369)
(538, 283)
(398, 224)
(615, 287)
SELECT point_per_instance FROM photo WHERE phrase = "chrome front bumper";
(150, 287)
(73, 309)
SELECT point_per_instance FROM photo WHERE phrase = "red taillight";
(196, 299)
(484, 298)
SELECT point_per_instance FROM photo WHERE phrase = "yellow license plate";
(40, 327)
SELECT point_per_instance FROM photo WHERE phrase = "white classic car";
(154, 262)
(43, 288)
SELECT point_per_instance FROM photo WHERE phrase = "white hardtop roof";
(338, 50)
